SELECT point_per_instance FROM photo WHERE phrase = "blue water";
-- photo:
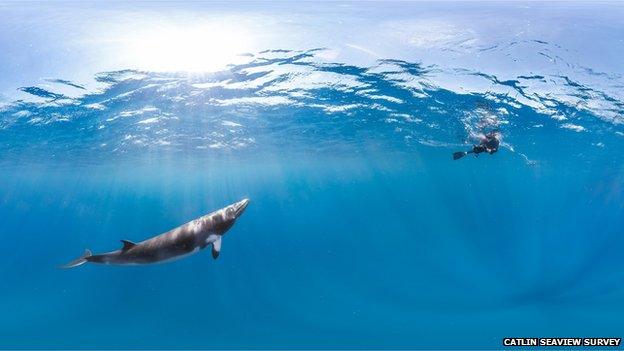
(362, 232)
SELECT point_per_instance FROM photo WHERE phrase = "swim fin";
(459, 154)
(77, 262)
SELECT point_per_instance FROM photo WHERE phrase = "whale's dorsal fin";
(127, 245)
(216, 248)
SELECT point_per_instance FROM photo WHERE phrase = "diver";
(489, 143)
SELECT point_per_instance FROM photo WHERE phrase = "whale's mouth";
(240, 207)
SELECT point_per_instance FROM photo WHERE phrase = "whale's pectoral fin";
(216, 248)
(127, 245)
(80, 260)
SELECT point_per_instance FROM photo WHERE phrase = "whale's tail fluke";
(77, 262)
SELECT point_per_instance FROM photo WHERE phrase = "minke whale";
(182, 241)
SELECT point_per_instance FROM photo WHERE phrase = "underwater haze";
(338, 120)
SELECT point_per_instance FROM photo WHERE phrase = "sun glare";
(192, 48)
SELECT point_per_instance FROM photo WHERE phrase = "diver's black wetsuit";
(490, 145)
